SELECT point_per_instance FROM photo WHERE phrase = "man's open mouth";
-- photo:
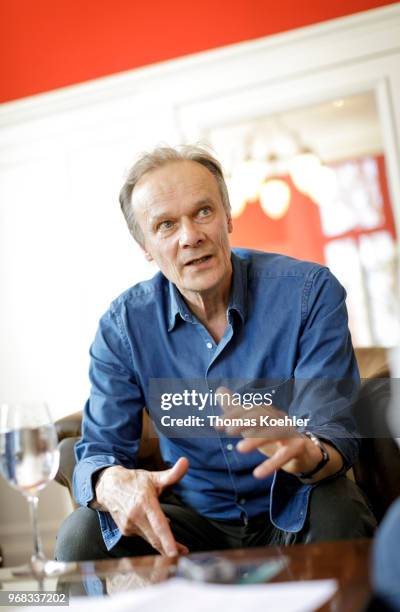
(199, 260)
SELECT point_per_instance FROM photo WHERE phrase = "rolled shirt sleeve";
(112, 420)
(326, 382)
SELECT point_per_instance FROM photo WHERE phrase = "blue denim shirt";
(287, 322)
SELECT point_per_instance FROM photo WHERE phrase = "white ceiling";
(336, 130)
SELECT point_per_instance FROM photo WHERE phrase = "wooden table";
(346, 561)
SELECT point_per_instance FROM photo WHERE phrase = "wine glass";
(29, 460)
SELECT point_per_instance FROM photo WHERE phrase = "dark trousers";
(337, 510)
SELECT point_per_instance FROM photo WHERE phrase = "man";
(214, 317)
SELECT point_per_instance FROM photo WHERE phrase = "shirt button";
(242, 501)
(209, 345)
(229, 447)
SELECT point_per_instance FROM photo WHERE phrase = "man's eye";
(165, 225)
(205, 211)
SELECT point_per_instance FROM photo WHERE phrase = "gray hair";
(159, 157)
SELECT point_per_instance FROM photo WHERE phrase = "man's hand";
(286, 448)
(131, 497)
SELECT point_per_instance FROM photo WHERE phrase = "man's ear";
(230, 224)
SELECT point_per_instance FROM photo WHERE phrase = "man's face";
(184, 224)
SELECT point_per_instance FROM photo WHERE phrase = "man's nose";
(190, 234)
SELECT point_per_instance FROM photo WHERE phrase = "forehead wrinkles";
(152, 195)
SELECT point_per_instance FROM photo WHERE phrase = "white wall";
(65, 253)
(64, 250)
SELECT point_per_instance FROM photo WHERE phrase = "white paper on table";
(179, 595)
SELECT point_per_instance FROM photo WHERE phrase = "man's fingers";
(249, 444)
(166, 478)
(281, 456)
(257, 430)
(253, 421)
(182, 549)
(160, 526)
(145, 531)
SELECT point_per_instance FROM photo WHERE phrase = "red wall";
(46, 44)
(298, 233)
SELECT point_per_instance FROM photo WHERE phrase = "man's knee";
(79, 537)
(338, 510)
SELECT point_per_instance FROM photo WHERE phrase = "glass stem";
(38, 554)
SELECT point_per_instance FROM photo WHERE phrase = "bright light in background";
(275, 198)
(324, 187)
(342, 257)
(378, 258)
(303, 168)
(358, 200)
(250, 174)
(237, 197)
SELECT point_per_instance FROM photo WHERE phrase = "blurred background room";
(300, 102)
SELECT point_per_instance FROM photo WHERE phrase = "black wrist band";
(324, 459)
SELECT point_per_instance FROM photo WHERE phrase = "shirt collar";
(177, 306)
(237, 301)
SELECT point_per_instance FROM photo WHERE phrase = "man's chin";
(200, 284)
(198, 287)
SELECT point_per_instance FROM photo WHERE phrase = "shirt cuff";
(82, 484)
(346, 445)
(289, 502)
(109, 530)
(84, 493)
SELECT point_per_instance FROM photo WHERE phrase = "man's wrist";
(323, 457)
(336, 466)
(99, 486)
